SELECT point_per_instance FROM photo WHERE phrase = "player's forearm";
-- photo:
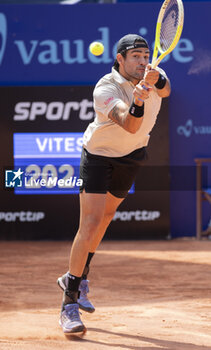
(123, 117)
(133, 124)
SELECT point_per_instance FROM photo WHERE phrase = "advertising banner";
(43, 129)
(190, 122)
(46, 45)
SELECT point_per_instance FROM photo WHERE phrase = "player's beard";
(137, 74)
(133, 74)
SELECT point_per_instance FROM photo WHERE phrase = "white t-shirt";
(106, 138)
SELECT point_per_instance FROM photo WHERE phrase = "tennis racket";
(168, 29)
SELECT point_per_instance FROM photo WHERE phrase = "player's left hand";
(151, 75)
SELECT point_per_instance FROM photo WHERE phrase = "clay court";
(148, 295)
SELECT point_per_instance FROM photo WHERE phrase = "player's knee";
(91, 223)
(87, 235)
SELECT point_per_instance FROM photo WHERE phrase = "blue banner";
(190, 123)
(47, 145)
(50, 44)
(49, 162)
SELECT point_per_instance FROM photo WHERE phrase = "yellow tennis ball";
(96, 48)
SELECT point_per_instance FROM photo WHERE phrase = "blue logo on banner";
(188, 129)
(13, 178)
(3, 35)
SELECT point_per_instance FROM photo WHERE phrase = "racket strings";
(169, 25)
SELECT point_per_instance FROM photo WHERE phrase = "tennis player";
(126, 102)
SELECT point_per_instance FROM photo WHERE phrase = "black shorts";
(110, 174)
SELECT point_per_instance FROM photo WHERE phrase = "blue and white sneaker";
(70, 320)
(83, 301)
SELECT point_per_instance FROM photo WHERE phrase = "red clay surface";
(148, 296)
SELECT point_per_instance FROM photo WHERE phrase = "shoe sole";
(76, 336)
(62, 286)
(80, 330)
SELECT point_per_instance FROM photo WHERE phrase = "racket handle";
(145, 88)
